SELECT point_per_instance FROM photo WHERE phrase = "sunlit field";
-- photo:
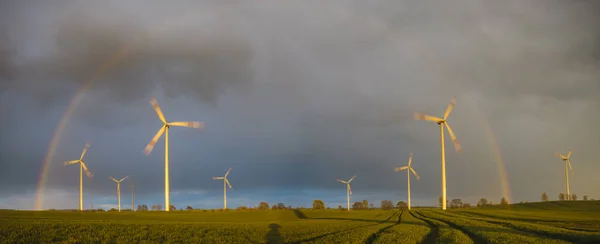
(549, 222)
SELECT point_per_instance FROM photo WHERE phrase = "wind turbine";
(567, 160)
(441, 123)
(225, 184)
(118, 189)
(132, 198)
(82, 168)
(348, 189)
(408, 169)
(165, 129)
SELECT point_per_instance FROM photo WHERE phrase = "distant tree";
(263, 206)
(340, 207)
(585, 198)
(156, 207)
(466, 205)
(242, 208)
(482, 202)
(521, 202)
(574, 197)
(318, 204)
(189, 208)
(387, 204)
(172, 207)
(289, 207)
(281, 206)
(365, 204)
(503, 201)
(401, 205)
(561, 196)
(112, 210)
(456, 203)
(274, 207)
(371, 206)
(357, 205)
(544, 197)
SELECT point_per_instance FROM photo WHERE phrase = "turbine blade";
(351, 178)
(450, 107)
(113, 179)
(150, 145)
(561, 156)
(570, 167)
(72, 162)
(217, 178)
(157, 109)
(410, 159)
(229, 184)
(86, 170)
(87, 145)
(401, 168)
(342, 181)
(420, 116)
(569, 154)
(415, 173)
(227, 173)
(453, 137)
(192, 124)
(124, 178)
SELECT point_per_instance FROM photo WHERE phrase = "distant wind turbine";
(118, 189)
(225, 184)
(408, 169)
(132, 198)
(441, 123)
(348, 189)
(165, 129)
(567, 160)
(82, 168)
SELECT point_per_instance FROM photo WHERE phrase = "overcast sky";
(295, 94)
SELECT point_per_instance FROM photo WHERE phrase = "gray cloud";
(309, 91)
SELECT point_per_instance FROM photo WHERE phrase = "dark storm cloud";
(327, 90)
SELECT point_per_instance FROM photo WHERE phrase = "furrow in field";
(406, 230)
(484, 232)
(576, 225)
(441, 232)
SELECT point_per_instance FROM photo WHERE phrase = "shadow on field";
(273, 236)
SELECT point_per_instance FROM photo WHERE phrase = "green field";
(549, 222)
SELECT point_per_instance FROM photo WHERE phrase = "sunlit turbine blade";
(84, 150)
(450, 107)
(569, 154)
(401, 168)
(453, 137)
(86, 170)
(227, 173)
(560, 156)
(415, 173)
(345, 182)
(150, 145)
(157, 109)
(113, 179)
(229, 184)
(217, 178)
(72, 162)
(192, 124)
(124, 178)
(410, 159)
(420, 116)
(349, 189)
(351, 178)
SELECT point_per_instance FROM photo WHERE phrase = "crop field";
(549, 222)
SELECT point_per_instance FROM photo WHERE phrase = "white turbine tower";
(165, 129)
(408, 169)
(441, 123)
(225, 184)
(348, 189)
(567, 160)
(118, 189)
(82, 168)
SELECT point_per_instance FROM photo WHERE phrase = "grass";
(548, 222)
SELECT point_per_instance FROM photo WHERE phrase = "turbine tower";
(132, 198)
(441, 123)
(165, 129)
(82, 168)
(118, 189)
(348, 189)
(225, 184)
(408, 169)
(567, 160)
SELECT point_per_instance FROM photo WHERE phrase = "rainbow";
(505, 187)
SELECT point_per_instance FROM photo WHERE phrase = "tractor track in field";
(523, 231)
(474, 237)
(376, 235)
(433, 234)
(532, 221)
(314, 238)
